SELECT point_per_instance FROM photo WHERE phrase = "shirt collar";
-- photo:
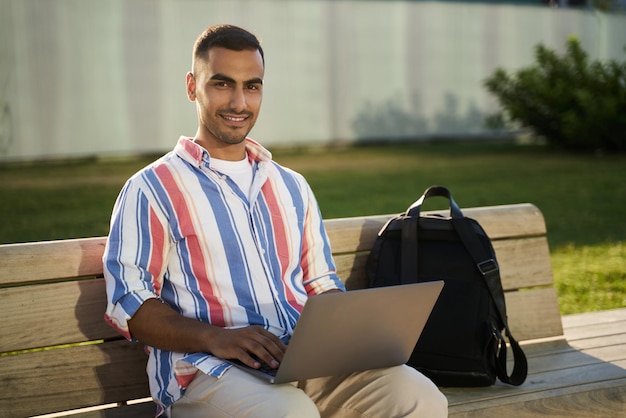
(193, 153)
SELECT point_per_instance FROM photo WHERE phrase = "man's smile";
(236, 120)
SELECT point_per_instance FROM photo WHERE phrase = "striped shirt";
(185, 233)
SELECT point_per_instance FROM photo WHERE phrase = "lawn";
(582, 198)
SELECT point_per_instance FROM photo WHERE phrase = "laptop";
(353, 331)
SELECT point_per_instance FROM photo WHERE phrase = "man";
(213, 251)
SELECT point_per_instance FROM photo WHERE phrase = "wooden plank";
(71, 378)
(523, 263)
(603, 399)
(53, 314)
(568, 380)
(593, 400)
(575, 358)
(50, 260)
(594, 330)
(606, 348)
(140, 410)
(614, 339)
(594, 318)
(351, 269)
(348, 235)
(533, 314)
(533, 348)
(506, 221)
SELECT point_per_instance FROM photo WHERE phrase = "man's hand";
(249, 345)
(159, 326)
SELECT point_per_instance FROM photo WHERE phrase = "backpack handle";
(414, 210)
(410, 222)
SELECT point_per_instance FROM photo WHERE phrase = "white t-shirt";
(239, 171)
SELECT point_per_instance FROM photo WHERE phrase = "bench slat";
(598, 329)
(139, 410)
(583, 321)
(523, 263)
(596, 399)
(507, 221)
(54, 314)
(70, 378)
(48, 260)
(62, 303)
(533, 314)
(85, 300)
(575, 358)
(571, 379)
(554, 378)
(568, 380)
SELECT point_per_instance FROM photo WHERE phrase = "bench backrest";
(58, 354)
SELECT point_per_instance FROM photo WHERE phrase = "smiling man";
(227, 107)
(214, 250)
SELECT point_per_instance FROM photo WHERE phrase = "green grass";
(581, 197)
(590, 277)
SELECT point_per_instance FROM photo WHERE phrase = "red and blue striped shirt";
(186, 234)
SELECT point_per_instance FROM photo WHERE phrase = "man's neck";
(222, 151)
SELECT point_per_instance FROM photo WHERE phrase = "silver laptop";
(353, 331)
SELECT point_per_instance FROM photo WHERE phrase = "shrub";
(572, 102)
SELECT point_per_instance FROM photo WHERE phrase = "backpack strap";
(408, 250)
(410, 224)
(490, 272)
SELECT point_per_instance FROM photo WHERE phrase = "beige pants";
(382, 393)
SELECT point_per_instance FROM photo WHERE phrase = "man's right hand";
(159, 326)
(249, 345)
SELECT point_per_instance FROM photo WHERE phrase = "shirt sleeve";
(133, 260)
(317, 262)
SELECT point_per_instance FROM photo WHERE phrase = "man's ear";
(191, 86)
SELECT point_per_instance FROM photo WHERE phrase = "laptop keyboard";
(265, 368)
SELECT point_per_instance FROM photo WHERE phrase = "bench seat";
(57, 354)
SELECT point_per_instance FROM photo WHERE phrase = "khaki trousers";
(382, 393)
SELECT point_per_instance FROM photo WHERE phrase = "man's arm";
(157, 325)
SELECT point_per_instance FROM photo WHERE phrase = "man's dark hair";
(225, 36)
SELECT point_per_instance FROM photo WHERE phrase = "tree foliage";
(570, 100)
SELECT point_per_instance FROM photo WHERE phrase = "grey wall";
(85, 77)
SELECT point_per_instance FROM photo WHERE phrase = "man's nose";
(238, 100)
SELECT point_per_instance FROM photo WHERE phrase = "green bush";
(572, 102)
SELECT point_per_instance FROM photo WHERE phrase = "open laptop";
(353, 331)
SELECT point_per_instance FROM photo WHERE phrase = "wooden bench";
(58, 354)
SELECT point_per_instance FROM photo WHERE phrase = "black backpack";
(463, 343)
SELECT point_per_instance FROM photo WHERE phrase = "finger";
(249, 360)
(274, 345)
(267, 347)
(266, 354)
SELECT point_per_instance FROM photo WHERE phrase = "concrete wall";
(85, 77)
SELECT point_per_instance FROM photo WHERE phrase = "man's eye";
(254, 87)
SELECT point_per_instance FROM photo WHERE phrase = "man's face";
(227, 87)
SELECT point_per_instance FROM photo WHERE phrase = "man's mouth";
(235, 118)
